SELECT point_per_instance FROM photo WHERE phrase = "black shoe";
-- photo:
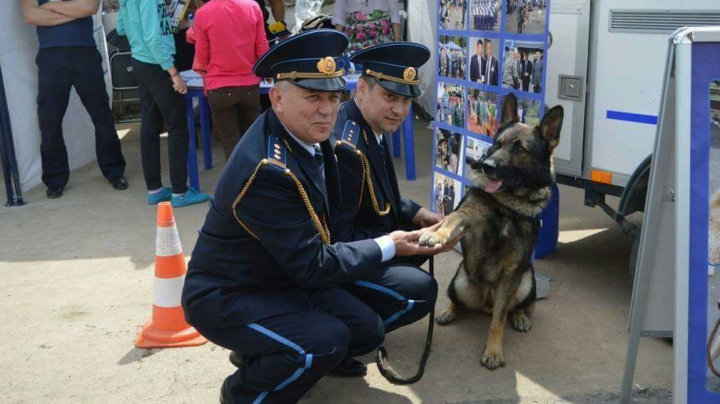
(349, 367)
(236, 359)
(55, 192)
(226, 394)
(119, 183)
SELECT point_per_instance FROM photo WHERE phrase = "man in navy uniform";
(401, 293)
(265, 273)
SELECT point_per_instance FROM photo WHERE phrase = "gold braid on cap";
(325, 66)
(408, 76)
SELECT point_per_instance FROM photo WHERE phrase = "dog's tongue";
(491, 186)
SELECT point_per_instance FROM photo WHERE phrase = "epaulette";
(351, 133)
(277, 153)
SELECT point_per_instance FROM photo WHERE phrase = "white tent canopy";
(422, 28)
(17, 60)
(18, 50)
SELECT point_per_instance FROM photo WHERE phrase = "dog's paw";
(428, 239)
(446, 317)
(521, 323)
(492, 360)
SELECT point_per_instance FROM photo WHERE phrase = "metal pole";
(649, 231)
(7, 153)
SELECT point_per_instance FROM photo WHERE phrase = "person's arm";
(394, 19)
(277, 8)
(120, 25)
(202, 44)
(353, 189)
(73, 8)
(151, 25)
(340, 15)
(261, 42)
(273, 211)
(35, 15)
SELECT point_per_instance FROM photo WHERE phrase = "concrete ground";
(76, 278)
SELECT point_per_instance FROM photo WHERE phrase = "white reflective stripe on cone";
(167, 292)
(167, 242)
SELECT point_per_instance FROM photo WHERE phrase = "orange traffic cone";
(167, 328)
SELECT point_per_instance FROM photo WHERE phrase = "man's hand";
(406, 244)
(179, 84)
(425, 218)
(441, 246)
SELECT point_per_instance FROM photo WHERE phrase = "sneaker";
(162, 196)
(191, 197)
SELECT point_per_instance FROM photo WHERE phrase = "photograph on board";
(484, 64)
(525, 16)
(482, 112)
(523, 66)
(485, 15)
(713, 372)
(451, 104)
(447, 150)
(452, 61)
(474, 151)
(529, 111)
(446, 194)
(452, 14)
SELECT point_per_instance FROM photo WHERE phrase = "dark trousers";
(401, 293)
(234, 109)
(158, 102)
(60, 69)
(287, 354)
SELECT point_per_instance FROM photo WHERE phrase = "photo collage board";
(485, 50)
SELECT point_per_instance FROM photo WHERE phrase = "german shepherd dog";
(499, 215)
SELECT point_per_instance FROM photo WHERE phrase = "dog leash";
(382, 356)
(709, 348)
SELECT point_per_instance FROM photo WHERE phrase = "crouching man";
(265, 275)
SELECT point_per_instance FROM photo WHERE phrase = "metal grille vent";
(660, 21)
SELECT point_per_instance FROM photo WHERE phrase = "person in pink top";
(229, 39)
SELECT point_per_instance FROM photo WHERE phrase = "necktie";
(319, 156)
(487, 70)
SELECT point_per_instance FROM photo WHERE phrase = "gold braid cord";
(367, 179)
(321, 226)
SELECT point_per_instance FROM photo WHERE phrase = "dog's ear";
(550, 126)
(509, 113)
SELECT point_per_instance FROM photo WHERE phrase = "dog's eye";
(518, 148)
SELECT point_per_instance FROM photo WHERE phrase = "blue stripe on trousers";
(286, 342)
(396, 295)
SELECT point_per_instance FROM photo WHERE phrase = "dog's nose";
(488, 167)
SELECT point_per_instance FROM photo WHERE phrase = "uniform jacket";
(259, 250)
(358, 210)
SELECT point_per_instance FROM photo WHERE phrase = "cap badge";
(326, 65)
(409, 74)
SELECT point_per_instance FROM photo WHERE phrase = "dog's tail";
(382, 356)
